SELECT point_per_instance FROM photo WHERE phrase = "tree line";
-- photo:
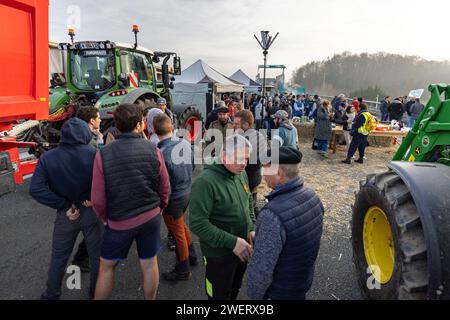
(380, 73)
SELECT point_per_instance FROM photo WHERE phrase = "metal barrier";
(374, 106)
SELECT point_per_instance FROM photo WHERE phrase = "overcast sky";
(221, 31)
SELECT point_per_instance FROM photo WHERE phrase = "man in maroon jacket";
(130, 188)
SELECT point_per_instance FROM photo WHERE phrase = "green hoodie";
(220, 210)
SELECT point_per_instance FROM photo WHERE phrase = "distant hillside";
(394, 74)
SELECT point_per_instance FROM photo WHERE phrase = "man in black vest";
(288, 232)
(130, 188)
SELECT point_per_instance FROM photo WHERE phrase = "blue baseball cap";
(161, 101)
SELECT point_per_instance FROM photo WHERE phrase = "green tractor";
(106, 74)
(401, 218)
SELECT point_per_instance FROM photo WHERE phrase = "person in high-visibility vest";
(360, 132)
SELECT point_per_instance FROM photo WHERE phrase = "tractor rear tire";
(186, 119)
(384, 203)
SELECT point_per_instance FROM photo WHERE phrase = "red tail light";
(118, 93)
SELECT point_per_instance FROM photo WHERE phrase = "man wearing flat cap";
(288, 232)
(221, 127)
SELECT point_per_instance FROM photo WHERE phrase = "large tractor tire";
(186, 121)
(145, 101)
(389, 247)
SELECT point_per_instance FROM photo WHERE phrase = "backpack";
(371, 123)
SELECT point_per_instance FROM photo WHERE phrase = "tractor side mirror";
(155, 59)
(171, 86)
(177, 65)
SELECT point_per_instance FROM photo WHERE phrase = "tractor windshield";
(93, 69)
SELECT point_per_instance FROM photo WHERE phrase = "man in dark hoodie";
(62, 181)
(396, 110)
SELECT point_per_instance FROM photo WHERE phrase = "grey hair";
(221, 104)
(290, 170)
(234, 143)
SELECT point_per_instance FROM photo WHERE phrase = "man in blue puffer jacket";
(288, 232)
(179, 159)
(62, 180)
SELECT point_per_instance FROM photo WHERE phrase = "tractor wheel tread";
(390, 181)
(407, 216)
(398, 192)
(381, 177)
(410, 279)
(415, 277)
(413, 245)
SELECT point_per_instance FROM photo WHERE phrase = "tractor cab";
(105, 74)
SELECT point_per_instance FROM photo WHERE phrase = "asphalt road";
(25, 237)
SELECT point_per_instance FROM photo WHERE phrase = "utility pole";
(265, 43)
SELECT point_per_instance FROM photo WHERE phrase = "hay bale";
(380, 141)
(305, 131)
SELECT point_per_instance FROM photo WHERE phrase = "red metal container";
(23, 60)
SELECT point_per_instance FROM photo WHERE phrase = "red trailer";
(24, 90)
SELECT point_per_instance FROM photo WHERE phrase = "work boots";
(347, 161)
(360, 160)
(181, 272)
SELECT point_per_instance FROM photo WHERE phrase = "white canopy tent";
(201, 72)
(201, 85)
(249, 84)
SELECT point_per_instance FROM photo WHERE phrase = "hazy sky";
(221, 31)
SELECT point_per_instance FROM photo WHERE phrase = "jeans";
(82, 252)
(348, 138)
(322, 145)
(385, 117)
(65, 234)
(359, 142)
(411, 121)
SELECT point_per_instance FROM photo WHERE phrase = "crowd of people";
(278, 115)
(117, 190)
(396, 109)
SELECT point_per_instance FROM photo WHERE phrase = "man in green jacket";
(221, 215)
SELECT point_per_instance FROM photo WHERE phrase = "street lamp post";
(265, 43)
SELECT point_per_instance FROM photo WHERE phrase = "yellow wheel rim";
(379, 244)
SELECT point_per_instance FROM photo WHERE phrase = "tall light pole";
(265, 43)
